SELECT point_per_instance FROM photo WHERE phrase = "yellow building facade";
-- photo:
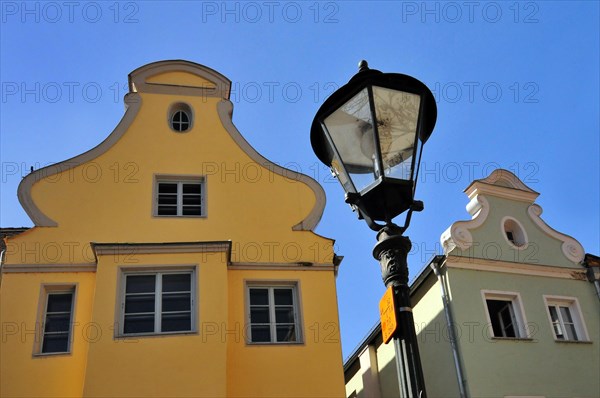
(170, 260)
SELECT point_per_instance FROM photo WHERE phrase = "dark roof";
(8, 232)
(591, 260)
(375, 331)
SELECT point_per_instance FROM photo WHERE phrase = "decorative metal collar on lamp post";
(370, 133)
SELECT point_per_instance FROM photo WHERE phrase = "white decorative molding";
(39, 268)
(505, 178)
(282, 266)
(507, 267)
(504, 184)
(219, 86)
(571, 248)
(103, 249)
(459, 235)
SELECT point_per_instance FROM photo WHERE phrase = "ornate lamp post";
(370, 133)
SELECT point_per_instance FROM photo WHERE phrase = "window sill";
(272, 344)
(524, 339)
(167, 216)
(51, 354)
(574, 341)
(145, 335)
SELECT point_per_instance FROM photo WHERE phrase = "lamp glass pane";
(339, 172)
(350, 128)
(397, 115)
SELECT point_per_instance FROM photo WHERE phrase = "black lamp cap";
(370, 77)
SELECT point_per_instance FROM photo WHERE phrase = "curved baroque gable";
(176, 78)
(515, 200)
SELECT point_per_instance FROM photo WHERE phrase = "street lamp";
(370, 133)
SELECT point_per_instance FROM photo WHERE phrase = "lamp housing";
(370, 133)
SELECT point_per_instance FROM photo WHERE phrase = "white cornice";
(282, 266)
(36, 268)
(102, 249)
(479, 188)
(219, 88)
(515, 268)
(91, 267)
(504, 184)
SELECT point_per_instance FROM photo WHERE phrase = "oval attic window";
(181, 118)
(514, 232)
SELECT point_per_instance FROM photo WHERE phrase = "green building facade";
(507, 311)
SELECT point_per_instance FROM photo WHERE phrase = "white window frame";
(271, 285)
(157, 299)
(180, 181)
(46, 291)
(574, 309)
(518, 312)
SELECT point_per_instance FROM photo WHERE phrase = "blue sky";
(517, 85)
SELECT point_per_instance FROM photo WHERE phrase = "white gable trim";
(571, 248)
(506, 267)
(504, 184)
(458, 235)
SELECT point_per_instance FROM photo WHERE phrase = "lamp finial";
(363, 66)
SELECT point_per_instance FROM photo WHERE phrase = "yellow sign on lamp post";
(387, 313)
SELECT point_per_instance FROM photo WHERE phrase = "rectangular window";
(57, 322)
(179, 198)
(158, 302)
(502, 317)
(273, 314)
(565, 319)
(505, 314)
